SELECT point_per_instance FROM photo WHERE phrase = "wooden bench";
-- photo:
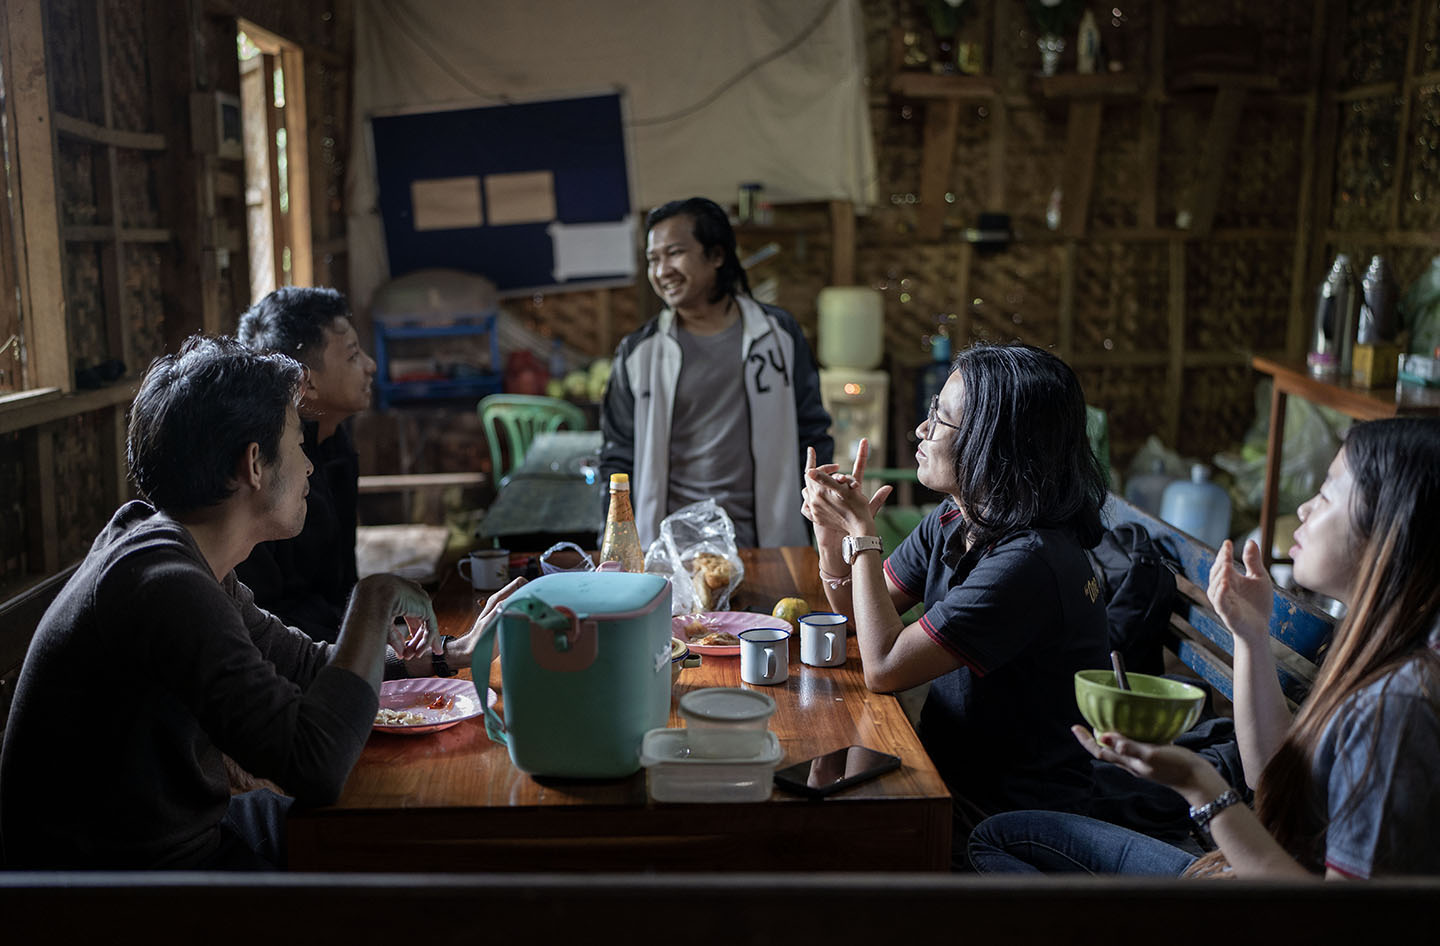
(700, 909)
(1299, 632)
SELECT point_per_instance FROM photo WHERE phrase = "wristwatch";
(1203, 815)
(437, 661)
(853, 545)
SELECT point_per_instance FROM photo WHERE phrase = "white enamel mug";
(486, 569)
(764, 655)
(822, 638)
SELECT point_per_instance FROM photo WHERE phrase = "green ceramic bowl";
(1154, 709)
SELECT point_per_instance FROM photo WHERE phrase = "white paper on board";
(593, 249)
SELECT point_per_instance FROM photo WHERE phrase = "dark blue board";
(579, 140)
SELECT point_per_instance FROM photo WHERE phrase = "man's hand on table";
(459, 650)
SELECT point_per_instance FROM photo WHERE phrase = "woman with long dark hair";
(1346, 789)
(1011, 606)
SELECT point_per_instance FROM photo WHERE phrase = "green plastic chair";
(512, 421)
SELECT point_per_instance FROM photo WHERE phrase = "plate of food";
(427, 704)
(713, 633)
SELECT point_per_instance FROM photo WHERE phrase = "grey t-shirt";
(710, 433)
(1377, 765)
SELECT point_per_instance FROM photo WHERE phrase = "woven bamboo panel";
(1365, 164)
(1237, 296)
(137, 188)
(81, 507)
(1375, 41)
(74, 76)
(969, 170)
(14, 535)
(1121, 298)
(142, 305)
(1219, 408)
(1034, 164)
(1261, 183)
(75, 164)
(129, 69)
(1420, 194)
(1117, 168)
(1128, 394)
(330, 92)
(1429, 37)
(1284, 28)
(572, 317)
(1016, 295)
(85, 306)
(897, 129)
(918, 284)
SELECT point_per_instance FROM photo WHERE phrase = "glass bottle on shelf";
(622, 542)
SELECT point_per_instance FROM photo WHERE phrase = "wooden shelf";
(924, 85)
(1117, 85)
(45, 409)
(1206, 81)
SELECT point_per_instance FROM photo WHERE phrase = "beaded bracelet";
(832, 581)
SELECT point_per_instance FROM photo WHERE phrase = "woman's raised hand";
(834, 500)
(1242, 601)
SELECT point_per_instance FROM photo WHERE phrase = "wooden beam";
(82, 130)
(1082, 143)
(38, 234)
(942, 120)
(842, 243)
(1224, 120)
(1147, 212)
(999, 139)
(923, 85)
(1067, 301)
(46, 408)
(114, 468)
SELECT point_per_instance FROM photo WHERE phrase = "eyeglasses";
(933, 418)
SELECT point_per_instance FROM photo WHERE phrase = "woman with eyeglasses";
(1011, 606)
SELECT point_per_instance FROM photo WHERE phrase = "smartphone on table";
(835, 771)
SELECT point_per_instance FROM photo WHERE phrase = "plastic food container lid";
(726, 705)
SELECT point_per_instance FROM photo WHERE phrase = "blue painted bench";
(1299, 632)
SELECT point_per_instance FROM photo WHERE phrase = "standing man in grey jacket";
(716, 397)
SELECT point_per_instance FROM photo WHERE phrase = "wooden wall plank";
(42, 517)
(297, 144)
(942, 120)
(1175, 373)
(1224, 120)
(38, 236)
(1082, 143)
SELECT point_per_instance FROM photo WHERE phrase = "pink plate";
(415, 695)
(732, 621)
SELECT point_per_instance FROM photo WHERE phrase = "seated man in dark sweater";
(153, 661)
(306, 580)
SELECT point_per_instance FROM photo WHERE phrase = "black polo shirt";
(1021, 616)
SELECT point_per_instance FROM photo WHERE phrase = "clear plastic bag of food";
(696, 551)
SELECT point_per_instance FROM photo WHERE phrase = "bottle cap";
(620, 481)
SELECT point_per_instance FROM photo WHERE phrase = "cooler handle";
(480, 660)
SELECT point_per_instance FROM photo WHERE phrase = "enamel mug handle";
(770, 668)
(829, 646)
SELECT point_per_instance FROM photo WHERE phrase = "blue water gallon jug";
(1147, 489)
(1198, 506)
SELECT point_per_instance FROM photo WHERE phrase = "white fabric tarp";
(716, 93)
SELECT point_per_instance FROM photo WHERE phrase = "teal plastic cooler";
(585, 668)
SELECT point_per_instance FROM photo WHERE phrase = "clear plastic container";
(674, 773)
(726, 722)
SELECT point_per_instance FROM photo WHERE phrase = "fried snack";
(717, 639)
(710, 575)
(696, 626)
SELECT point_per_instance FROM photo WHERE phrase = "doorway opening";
(277, 183)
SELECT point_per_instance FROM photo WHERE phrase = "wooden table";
(1359, 403)
(452, 801)
(554, 495)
